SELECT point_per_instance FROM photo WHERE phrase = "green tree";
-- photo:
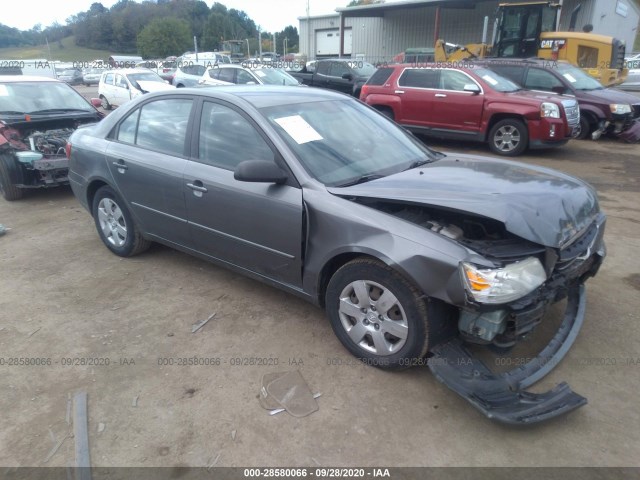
(355, 3)
(163, 37)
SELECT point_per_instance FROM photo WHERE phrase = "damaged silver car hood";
(534, 203)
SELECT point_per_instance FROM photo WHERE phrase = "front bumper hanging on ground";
(501, 396)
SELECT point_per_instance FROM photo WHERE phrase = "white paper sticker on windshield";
(570, 77)
(3, 91)
(490, 79)
(260, 73)
(298, 129)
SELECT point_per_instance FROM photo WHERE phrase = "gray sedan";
(414, 254)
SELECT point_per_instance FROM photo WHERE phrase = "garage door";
(328, 42)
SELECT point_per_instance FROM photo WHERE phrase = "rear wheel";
(105, 103)
(509, 137)
(9, 191)
(377, 314)
(115, 225)
(387, 112)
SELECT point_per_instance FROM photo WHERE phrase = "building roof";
(380, 9)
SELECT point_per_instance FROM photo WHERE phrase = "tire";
(392, 338)
(180, 85)
(9, 191)
(105, 103)
(585, 128)
(115, 225)
(509, 137)
(387, 112)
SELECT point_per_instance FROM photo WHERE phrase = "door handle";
(121, 166)
(197, 186)
(399, 91)
(441, 95)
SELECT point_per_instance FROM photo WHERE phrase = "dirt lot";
(64, 296)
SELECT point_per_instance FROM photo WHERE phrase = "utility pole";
(275, 47)
(260, 44)
(308, 33)
(195, 46)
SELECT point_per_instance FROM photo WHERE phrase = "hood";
(607, 96)
(149, 86)
(540, 205)
(535, 96)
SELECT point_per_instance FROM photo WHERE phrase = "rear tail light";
(364, 92)
(67, 149)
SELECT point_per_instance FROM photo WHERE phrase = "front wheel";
(8, 190)
(115, 224)
(105, 103)
(509, 137)
(585, 128)
(377, 314)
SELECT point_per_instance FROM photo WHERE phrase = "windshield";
(340, 141)
(274, 76)
(146, 76)
(495, 81)
(27, 97)
(69, 73)
(578, 78)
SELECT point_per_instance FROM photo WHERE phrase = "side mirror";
(347, 76)
(261, 171)
(472, 88)
(96, 102)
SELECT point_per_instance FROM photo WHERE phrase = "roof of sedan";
(261, 96)
(25, 78)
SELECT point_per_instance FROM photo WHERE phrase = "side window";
(226, 75)
(127, 129)
(245, 77)
(120, 81)
(338, 69)
(420, 78)
(539, 79)
(453, 80)
(163, 125)
(227, 138)
(214, 73)
(511, 72)
(322, 68)
(108, 79)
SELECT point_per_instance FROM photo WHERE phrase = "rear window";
(380, 77)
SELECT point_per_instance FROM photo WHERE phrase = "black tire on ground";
(180, 85)
(406, 315)
(586, 128)
(387, 112)
(105, 103)
(9, 191)
(134, 243)
(509, 137)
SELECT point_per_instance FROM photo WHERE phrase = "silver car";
(410, 251)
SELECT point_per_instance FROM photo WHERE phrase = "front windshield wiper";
(424, 161)
(11, 112)
(58, 110)
(362, 179)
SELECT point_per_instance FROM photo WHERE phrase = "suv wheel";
(509, 137)
(115, 224)
(105, 103)
(8, 190)
(585, 128)
(377, 314)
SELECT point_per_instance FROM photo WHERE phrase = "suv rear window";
(380, 77)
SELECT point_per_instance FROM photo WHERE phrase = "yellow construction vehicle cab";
(525, 30)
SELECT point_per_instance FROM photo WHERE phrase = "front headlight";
(502, 285)
(620, 108)
(549, 110)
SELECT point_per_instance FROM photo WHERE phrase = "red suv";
(471, 103)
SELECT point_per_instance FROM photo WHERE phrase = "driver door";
(121, 89)
(256, 226)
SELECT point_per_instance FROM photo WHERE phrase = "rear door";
(416, 87)
(147, 158)
(336, 82)
(121, 92)
(256, 226)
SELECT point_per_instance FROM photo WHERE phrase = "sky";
(269, 15)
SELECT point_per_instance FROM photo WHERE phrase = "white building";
(378, 32)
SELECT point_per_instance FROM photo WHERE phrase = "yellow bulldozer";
(525, 30)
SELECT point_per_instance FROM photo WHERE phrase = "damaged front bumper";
(502, 396)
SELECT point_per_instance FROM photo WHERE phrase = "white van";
(117, 87)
